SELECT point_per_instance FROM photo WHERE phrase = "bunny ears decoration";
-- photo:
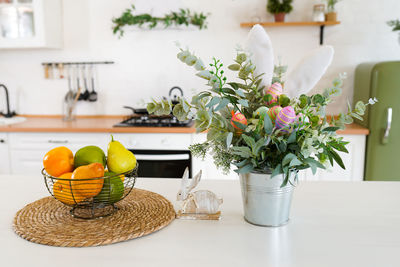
(302, 78)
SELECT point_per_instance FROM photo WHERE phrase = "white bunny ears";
(303, 77)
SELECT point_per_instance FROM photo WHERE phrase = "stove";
(145, 120)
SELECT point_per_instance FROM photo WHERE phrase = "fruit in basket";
(59, 160)
(108, 173)
(89, 154)
(112, 191)
(91, 187)
(62, 191)
(119, 159)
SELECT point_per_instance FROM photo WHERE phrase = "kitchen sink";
(13, 120)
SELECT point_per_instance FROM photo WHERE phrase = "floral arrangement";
(279, 6)
(253, 124)
(183, 17)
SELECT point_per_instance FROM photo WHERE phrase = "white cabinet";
(4, 154)
(27, 149)
(30, 24)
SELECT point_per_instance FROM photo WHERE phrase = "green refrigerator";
(380, 80)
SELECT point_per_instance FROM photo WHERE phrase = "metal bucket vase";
(265, 203)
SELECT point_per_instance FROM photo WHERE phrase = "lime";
(112, 191)
(89, 154)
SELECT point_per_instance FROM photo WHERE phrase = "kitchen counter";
(85, 124)
(104, 124)
(332, 224)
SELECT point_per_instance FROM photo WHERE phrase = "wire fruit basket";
(92, 197)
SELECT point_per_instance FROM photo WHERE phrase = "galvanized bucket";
(265, 203)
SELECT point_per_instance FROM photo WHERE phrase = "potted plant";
(395, 24)
(331, 14)
(255, 126)
(279, 8)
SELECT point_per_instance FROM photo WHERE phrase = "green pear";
(119, 159)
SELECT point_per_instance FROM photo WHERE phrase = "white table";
(332, 224)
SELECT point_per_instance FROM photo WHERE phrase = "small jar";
(319, 13)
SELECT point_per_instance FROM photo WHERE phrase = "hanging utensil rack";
(79, 63)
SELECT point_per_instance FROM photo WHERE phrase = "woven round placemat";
(47, 221)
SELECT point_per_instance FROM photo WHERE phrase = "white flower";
(199, 65)
(190, 60)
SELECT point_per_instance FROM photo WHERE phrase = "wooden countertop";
(85, 124)
(104, 124)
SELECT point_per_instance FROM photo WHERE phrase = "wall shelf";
(300, 23)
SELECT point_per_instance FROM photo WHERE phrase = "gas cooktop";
(153, 121)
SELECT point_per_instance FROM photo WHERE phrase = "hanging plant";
(183, 17)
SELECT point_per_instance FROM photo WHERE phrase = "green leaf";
(316, 163)
(355, 115)
(243, 102)
(330, 129)
(242, 151)
(295, 162)
(224, 102)
(229, 139)
(240, 93)
(318, 99)
(242, 163)
(249, 141)
(292, 138)
(337, 158)
(213, 101)
(360, 107)
(235, 86)
(282, 147)
(245, 169)
(259, 144)
(277, 170)
(240, 58)
(234, 67)
(268, 126)
(284, 101)
(288, 158)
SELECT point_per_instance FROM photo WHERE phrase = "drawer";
(45, 141)
(155, 141)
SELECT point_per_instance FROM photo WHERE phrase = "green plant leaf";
(337, 158)
(295, 162)
(292, 137)
(268, 126)
(234, 67)
(331, 129)
(224, 102)
(277, 170)
(249, 141)
(288, 158)
(243, 102)
(229, 139)
(242, 151)
(245, 169)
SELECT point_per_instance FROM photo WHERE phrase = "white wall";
(146, 64)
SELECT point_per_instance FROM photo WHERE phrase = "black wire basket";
(92, 197)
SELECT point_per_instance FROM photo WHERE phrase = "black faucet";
(9, 113)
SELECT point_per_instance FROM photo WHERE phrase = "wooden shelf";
(299, 23)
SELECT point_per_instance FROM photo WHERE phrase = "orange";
(59, 160)
(62, 191)
(88, 188)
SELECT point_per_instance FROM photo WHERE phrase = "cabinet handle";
(2, 141)
(58, 141)
(385, 138)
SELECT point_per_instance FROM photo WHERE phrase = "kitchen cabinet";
(27, 149)
(30, 24)
(4, 154)
(22, 153)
